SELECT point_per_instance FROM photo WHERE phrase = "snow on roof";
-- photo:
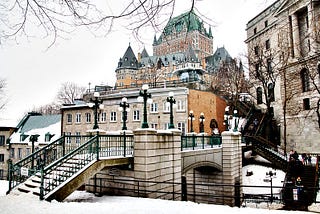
(42, 125)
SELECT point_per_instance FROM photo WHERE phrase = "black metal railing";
(196, 142)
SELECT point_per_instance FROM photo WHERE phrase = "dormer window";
(48, 137)
(23, 137)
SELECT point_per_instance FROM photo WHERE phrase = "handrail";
(95, 148)
(42, 157)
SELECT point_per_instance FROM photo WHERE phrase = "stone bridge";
(197, 158)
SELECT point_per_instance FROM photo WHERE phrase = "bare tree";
(68, 92)
(52, 108)
(229, 81)
(58, 18)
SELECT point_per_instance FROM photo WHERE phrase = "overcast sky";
(34, 74)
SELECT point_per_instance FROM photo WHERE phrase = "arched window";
(271, 92)
(259, 95)
(305, 80)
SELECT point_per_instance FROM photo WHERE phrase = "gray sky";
(34, 74)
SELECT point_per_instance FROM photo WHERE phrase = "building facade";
(46, 127)
(5, 133)
(78, 118)
(283, 48)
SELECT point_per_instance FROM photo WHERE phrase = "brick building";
(78, 118)
(283, 41)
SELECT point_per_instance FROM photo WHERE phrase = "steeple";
(128, 60)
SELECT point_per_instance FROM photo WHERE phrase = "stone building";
(182, 54)
(78, 118)
(283, 47)
(5, 133)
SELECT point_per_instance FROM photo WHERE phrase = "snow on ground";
(84, 202)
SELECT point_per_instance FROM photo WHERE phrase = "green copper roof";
(39, 121)
(189, 21)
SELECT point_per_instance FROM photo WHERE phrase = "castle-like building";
(182, 53)
(284, 61)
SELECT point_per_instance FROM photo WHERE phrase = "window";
(180, 105)
(113, 116)
(23, 137)
(269, 65)
(266, 23)
(154, 107)
(259, 95)
(2, 139)
(166, 106)
(69, 118)
(68, 138)
(268, 44)
(256, 50)
(12, 153)
(19, 153)
(154, 125)
(306, 104)
(305, 80)
(182, 127)
(271, 92)
(28, 151)
(1, 157)
(257, 68)
(88, 117)
(78, 118)
(78, 138)
(136, 115)
(103, 117)
(255, 30)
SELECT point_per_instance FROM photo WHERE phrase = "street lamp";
(201, 119)
(145, 97)
(226, 118)
(171, 101)
(269, 176)
(191, 118)
(33, 141)
(96, 104)
(124, 107)
(235, 120)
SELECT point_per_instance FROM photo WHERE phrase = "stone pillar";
(157, 163)
(231, 166)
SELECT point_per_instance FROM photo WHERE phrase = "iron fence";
(196, 142)
(137, 188)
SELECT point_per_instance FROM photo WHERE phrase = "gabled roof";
(128, 60)
(39, 121)
(35, 123)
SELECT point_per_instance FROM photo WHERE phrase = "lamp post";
(235, 120)
(124, 107)
(201, 119)
(271, 175)
(95, 104)
(226, 118)
(145, 97)
(34, 142)
(171, 101)
(191, 118)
